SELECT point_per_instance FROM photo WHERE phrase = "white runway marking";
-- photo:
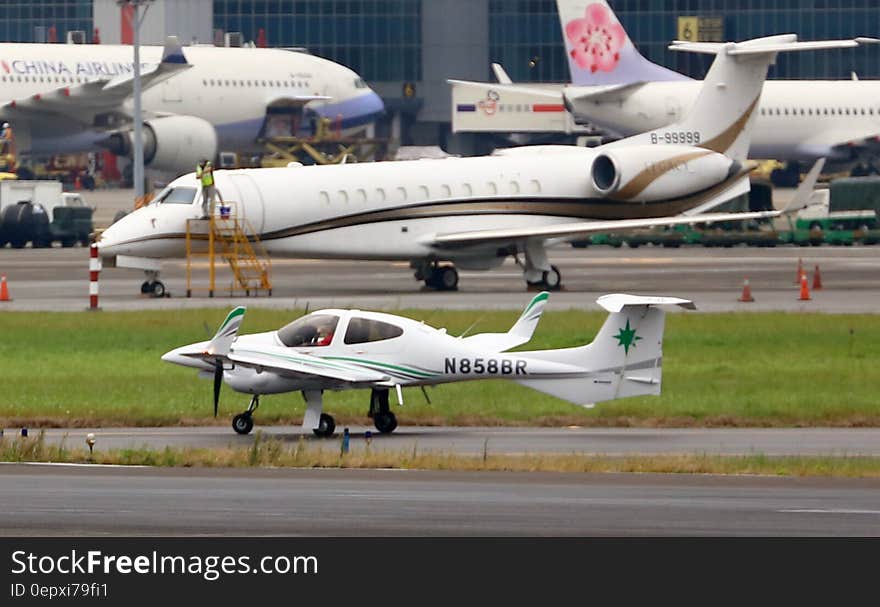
(828, 511)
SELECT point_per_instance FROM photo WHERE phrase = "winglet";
(226, 334)
(520, 333)
(528, 320)
(173, 52)
(804, 192)
(501, 74)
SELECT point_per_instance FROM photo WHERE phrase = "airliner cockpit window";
(177, 196)
(308, 331)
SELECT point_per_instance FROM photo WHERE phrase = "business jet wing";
(86, 102)
(303, 366)
(575, 230)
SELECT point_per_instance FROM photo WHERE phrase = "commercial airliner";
(616, 89)
(476, 212)
(197, 101)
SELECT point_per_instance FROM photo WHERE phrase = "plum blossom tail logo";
(596, 39)
(489, 105)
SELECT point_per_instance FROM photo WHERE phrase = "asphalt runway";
(57, 279)
(472, 441)
(53, 500)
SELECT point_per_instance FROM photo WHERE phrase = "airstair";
(230, 239)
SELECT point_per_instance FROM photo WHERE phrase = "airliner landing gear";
(537, 271)
(151, 286)
(243, 423)
(384, 420)
(437, 277)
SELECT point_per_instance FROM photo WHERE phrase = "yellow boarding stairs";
(230, 238)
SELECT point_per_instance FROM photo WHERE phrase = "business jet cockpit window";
(309, 331)
(365, 330)
(177, 195)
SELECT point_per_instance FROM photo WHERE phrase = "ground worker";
(205, 174)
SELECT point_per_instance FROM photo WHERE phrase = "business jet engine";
(647, 173)
(171, 143)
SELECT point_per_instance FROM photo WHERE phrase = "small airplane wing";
(297, 365)
(84, 102)
(520, 333)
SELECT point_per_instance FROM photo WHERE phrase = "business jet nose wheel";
(153, 289)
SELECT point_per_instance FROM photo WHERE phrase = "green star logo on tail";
(627, 337)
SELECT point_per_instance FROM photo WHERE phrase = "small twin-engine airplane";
(350, 349)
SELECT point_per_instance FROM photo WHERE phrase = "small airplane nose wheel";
(243, 423)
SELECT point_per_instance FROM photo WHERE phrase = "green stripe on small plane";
(239, 311)
(384, 365)
(315, 361)
(543, 296)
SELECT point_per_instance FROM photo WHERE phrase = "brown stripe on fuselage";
(587, 209)
(649, 175)
(721, 143)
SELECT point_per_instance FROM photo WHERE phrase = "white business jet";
(78, 97)
(616, 89)
(475, 212)
(351, 349)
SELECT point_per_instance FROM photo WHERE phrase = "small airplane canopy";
(313, 330)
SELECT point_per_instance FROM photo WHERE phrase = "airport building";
(406, 49)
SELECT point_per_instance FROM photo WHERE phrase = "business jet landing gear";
(243, 423)
(537, 271)
(151, 286)
(437, 277)
(384, 420)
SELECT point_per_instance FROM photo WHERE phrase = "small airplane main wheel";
(243, 423)
(326, 426)
(386, 422)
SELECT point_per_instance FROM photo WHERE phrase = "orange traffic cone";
(747, 292)
(805, 289)
(817, 280)
(800, 271)
(4, 290)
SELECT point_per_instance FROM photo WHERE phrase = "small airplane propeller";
(218, 382)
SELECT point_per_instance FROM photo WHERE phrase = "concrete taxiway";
(472, 441)
(57, 279)
(54, 500)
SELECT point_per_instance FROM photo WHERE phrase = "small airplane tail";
(520, 333)
(226, 334)
(625, 358)
(599, 50)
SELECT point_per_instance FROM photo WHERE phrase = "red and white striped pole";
(94, 270)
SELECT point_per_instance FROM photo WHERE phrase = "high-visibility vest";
(206, 175)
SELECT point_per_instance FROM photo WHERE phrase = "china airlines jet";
(616, 89)
(197, 102)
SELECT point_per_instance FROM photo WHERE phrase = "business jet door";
(247, 198)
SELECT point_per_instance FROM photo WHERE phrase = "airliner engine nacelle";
(171, 143)
(658, 172)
